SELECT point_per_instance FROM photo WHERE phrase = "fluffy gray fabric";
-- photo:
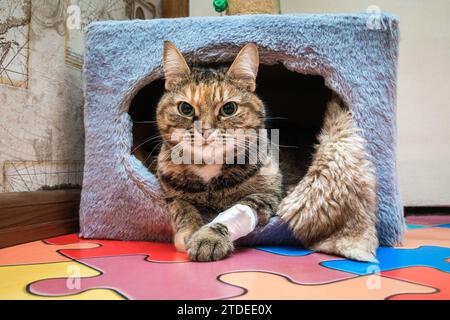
(120, 198)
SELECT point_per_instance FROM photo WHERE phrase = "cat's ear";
(174, 65)
(245, 66)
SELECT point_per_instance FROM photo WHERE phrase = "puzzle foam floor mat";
(68, 267)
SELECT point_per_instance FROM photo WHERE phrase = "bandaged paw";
(240, 220)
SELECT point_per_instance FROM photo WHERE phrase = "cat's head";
(210, 104)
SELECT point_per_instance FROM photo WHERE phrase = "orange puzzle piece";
(39, 252)
(438, 237)
(266, 286)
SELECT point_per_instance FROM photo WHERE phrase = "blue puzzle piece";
(391, 258)
(286, 250)
(447, 225)
(415, 226)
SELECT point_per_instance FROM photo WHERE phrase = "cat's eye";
(228, 109)
(185, 109)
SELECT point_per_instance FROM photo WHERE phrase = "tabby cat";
(206, 103)
(327, 196)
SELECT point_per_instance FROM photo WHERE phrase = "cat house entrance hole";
(295, 105)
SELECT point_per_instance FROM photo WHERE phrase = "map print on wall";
(26, 176)
(89, 11)
(50, 14)
(14, 42)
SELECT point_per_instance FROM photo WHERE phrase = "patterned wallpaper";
(41, 97)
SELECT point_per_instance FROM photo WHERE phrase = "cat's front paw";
(210, 243)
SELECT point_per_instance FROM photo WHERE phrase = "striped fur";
(194, 199)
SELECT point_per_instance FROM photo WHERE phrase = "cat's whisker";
(286, 146)
(144, 122)
(155, 148)
(146, 141)
(274, 118)
(164, 155)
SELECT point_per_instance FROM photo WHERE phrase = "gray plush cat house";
(304, 58)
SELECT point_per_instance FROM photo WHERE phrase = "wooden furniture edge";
(31, 216)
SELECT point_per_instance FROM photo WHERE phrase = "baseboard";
(431, 210)
(31, 216)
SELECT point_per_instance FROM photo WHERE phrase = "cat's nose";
(209, 135)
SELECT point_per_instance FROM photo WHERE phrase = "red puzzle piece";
(425, 276)
(157, 252)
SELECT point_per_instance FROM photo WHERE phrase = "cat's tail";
(333, 208)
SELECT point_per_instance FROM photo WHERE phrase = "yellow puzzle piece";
(14, 281)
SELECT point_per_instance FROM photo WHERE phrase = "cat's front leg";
(211, 243)
(215, 240)
(264, 204)
(186, 220)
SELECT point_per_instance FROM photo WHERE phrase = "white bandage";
(239, 219)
